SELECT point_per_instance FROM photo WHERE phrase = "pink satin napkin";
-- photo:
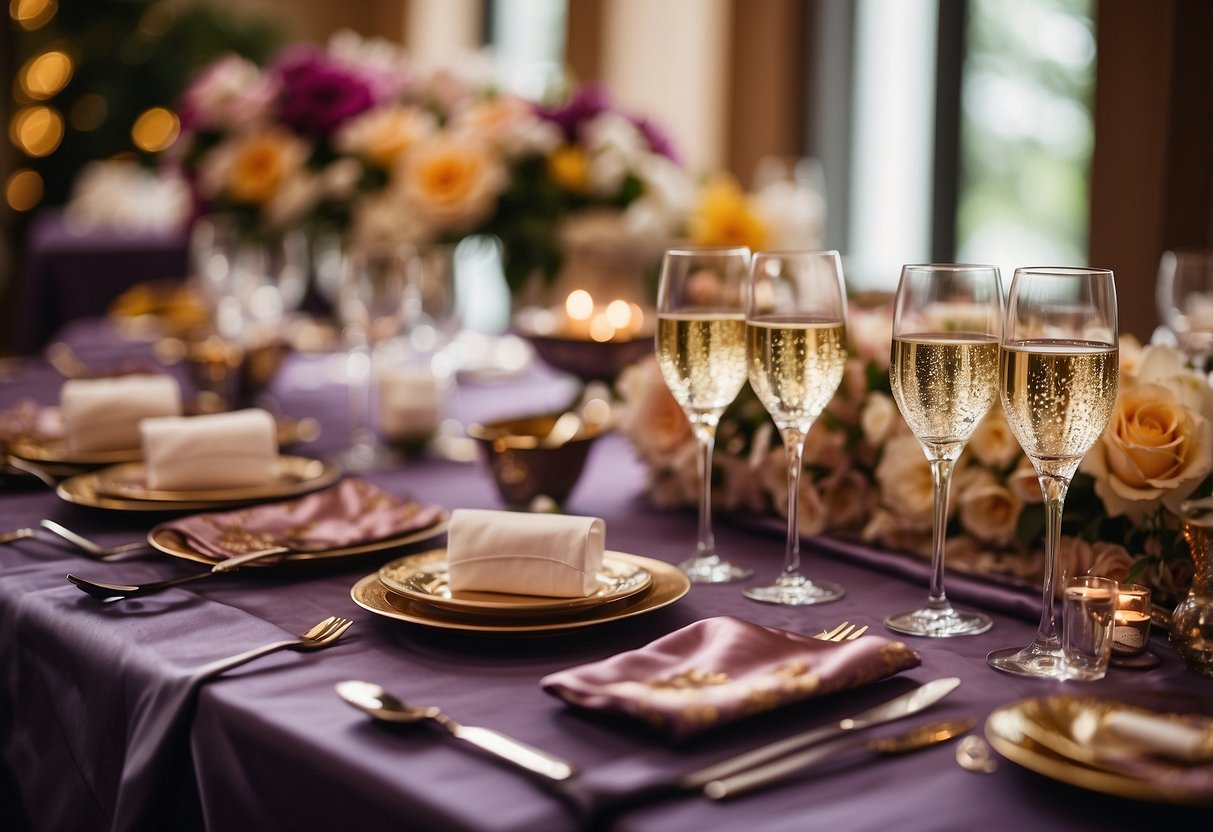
(350, 513)
(721, 669)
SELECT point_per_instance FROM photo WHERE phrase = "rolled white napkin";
(526, 554)
(224, 450)
(410, 402)
(103, 414)
(1161, 735)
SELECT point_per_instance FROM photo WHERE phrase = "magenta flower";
(318, 94)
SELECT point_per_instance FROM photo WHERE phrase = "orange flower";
(261, 164)
(569, 168)
(452, 181)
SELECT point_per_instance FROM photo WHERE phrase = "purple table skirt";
(271, 746)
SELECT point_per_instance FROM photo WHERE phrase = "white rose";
(990, 511)
(1110, 560)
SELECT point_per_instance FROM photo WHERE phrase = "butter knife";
(905, 705)
(924, 736)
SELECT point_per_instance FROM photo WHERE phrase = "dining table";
(103, 727)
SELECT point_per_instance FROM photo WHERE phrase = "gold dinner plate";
(424, 577)
(669, 584)
(1062, 738)
(121, 487)
(54, 450)
(172, 543)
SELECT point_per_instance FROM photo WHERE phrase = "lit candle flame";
(579, 305)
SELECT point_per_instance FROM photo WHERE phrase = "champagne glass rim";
(1064, 271)
(689, 251)
(788, 252)
(950, 267)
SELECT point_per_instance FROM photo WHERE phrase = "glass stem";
(941, 477)
(359, 367)
(793, 443)
(1054, 490)
(705, 437)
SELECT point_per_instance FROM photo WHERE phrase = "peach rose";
(1025, 483)
(1110, 560)
(1154, 451)
(904, 476)
(877, 418)
(993, 443)
(383, 135)
(253, 167)
(811, 507)
(848, 499)
(871, 333)
(654, 423)
(452, 182)
(989, 510)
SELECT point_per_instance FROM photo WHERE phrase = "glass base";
(938, 623)
(365, 459)
(1033, 660)
(713, 570)
(795, 591)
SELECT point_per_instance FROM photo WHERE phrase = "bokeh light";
(32, 14)
(45, 74)
(37, 131)
(155, 129)
(23, 190)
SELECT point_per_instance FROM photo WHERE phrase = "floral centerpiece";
(866, 475)
(353, 135)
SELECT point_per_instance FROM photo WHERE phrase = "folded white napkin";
(526, 554)
(1161, 735)
(223, 450)
(103, 414)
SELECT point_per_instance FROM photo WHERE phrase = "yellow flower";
(452, 182)
(569, 167)
(725, 217)
(261, 164)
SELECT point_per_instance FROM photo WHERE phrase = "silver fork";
(87, 546)
(846, 631)
(323, 634)
(113, 592)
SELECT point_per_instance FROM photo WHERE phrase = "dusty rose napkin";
(350, 513)
(721, 669)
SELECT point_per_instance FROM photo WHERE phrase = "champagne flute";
(944, 375)
(701, 352)
(376, 287)
(796, 349)
(1185, 301)
(1058, 368)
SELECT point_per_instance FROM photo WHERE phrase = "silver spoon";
(377, 702)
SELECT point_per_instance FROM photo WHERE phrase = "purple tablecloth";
(271, 746)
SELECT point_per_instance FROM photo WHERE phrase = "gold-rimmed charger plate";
(297, 475)
(171, 543)
(669, 584)
(1040, 735)
(423, 577)
(54, 450)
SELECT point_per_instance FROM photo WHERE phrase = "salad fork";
(87, 546)
(324, 634)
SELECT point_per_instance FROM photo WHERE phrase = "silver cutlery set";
(735, 776)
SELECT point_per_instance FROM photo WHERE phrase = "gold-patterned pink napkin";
(351, 513)
(720, 669)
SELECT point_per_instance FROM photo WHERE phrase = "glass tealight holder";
(1131, 626)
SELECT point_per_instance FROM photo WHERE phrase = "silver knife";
(905, 705)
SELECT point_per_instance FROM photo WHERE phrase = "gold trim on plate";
(296, 475)
(1063, 738)
(423, 577)
(669, 584)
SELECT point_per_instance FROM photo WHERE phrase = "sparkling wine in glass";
(1058, 368)
(796, 348)
(701, 351)
(944, 374)
(376, 287)
(1185, 301)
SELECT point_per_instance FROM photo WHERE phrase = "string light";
(45, 74)
(32, 14)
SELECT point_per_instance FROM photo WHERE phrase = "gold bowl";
(526, 461)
